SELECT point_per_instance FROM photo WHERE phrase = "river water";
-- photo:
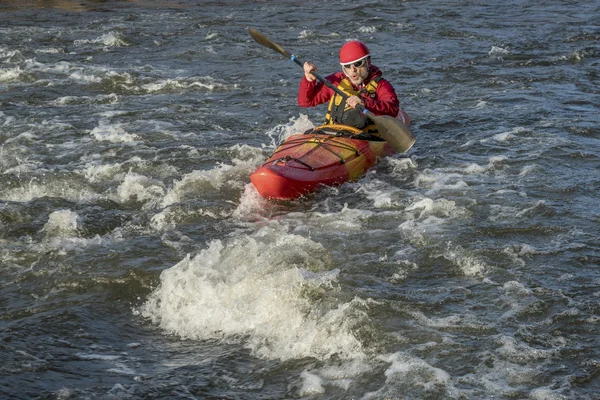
(137, 261)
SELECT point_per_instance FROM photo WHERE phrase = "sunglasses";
(357, 64)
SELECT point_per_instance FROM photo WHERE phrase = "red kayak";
(327, 155)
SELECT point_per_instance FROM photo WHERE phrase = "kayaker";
(361, 81)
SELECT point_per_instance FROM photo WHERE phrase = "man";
(361, 81)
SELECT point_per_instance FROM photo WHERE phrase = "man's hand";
(353, 101)
(308, 67)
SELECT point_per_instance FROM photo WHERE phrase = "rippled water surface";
(137, 260)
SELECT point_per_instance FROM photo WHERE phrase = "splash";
(367, 29)
(498, 52)
(110, 39)
(61, 224)
(440, 208)
(305, 34)
(440, 181)
(223, 176)
(407, 374)
(468, 263)
(10, 74)
(295, 125)
(106, 132)
(269, 291)
(251, 203)
(53, 186)
(136, 187)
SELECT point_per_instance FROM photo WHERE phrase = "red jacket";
(385, 103)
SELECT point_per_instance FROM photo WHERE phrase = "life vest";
(340, 113)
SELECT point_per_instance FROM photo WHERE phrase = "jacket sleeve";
(313, 93)
(386, 101)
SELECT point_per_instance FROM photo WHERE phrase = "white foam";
(516, 289)
(346, 220)
(341, 374)
(94, 172)
(27, 136)
(527, 249)
(419, 231)
(367, 29)
(546, 393)
(405, 268)
(493, 164)
(106, 132)
(8, 119)
(252, 289)
(305, 34)
(222, 176)
(194, 182)
(50, 50)
(427, 219)
(251, 203)
(137, 187)
(498, 52)
(50, 187)
(118, 391)
(380, 198)
(503, 137)
(440, 208)
(440, 181)
(208, 82)
(110, 39)
(60, 67)
(380, 193)
(521, 353)
(534, 206)
(11, 56)
(503, 379)
(8, 75)
(62, 223)
(162, 85)
(82, 77)
(168, 218)
(528, 169)
(504, 213)
(407, 373)
(311, 384)
(295, 125)
(475, 169)
(469, 264)
(401, 166)
(99, 99)
(465, 322)
(179, 83)
(101, 357)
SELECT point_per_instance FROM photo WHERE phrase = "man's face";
(357, 72)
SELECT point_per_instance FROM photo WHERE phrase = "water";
(137, 261)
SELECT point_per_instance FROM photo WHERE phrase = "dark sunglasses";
(357, 64)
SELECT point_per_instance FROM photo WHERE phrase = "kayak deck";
(324, 156)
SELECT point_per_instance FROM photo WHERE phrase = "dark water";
(137, 261)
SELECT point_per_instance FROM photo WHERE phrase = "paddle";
(391, 129)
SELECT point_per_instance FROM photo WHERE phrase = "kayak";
(327, 155)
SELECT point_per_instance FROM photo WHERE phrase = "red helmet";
(353, 51)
